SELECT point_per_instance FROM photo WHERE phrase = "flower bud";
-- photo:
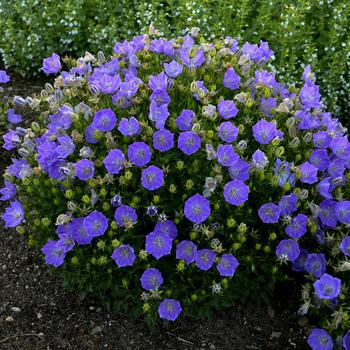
(21, 230)
(45, 221)
(279, 151)
(35, 127)
(85, 199)
(180, 266)
(128, 175)
(44, 95)
(193, 235)
(172, 188)
(242, 228)
(19, 101)
(189, 184)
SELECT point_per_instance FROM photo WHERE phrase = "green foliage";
(300, 32)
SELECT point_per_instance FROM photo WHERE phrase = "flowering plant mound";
(181, 174)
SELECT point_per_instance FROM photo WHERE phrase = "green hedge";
(299, 31)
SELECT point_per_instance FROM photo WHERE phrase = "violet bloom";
(173, 69)
(227, 132)
(236, 192)
(11, 139)
(158, 82)
(205, 259)
(316, 264)
(321, 139)
(66, 146)
(90, 134)
(267, 104)
(108, 84)
(52, 65)
(310, 95)
(116, 200)
(297, 227)
(125, 215)
(226, 155)
(298, 265)
(288, 204)
(283, 171)
(194, 62)
(259, 160)
(129, 127)
(288, 249)
(185, 120)
(265, 78)
(152, 178)
(189, 142)
(7, 192)
(151, 279)
(197, 209)
(169, 309)
(345, 246)
(227, 109)
(167, 227)
(163, 140)
(319, 339)
(341, 147)
(264, 132)
(139, 153)
(95, 224)
(227, 265)
(124, 255)
(66, 240)
(79, 233)
(160, 98)
(308, 173)
(104, 120)
(54, 253)
(231, 79)
(114, 161)
(327, 213)
(269, 213)
(158, 114)
(342, 211)
(336, 168)
(346, 340)
(239, 170)
(158, 244)
(12, 117)
(327, 287)
(4, 78)
(84, 169)
(319, 158)
(13, 215)
(186, 250)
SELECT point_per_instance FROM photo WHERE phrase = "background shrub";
(300, 32)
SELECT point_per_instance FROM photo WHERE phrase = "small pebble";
(276, 334)
(9, 319)
(15, 309)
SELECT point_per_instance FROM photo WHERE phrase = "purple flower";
(186, 250)
(239, 170)
(89, 134)
(152, 178)
(189, 142)
(341, 147)
(54, 253)
(66, 146)
(342, 211)
(205, 259)
(197, 209)
(152, 210)
(336, 168)
(327, 213)
(288, 204)
(158, 82)
(104, 120)
(283, 170)
(4, 78)
(125, 215)
(11, 139)
(14, 214)
(297, 227)
(108, 84)
(315, 264)
(265, 78)
(12, 117)
(319, 158)
(310, 95)
(95, 224)
(346, 340)
(84, 169)
(321, 139)
(52, 65)
(267, 104)
(139, 153)
(264, 132)
(227, 132)
(158, 114)
(158, 244)
(288, 249)
(269, 213)
(66, 239)
(298, 265)
(345, 246)
(319, 339)
(163, 140)
(308, 173)
(169, 309)
(327, 287)
(124, 255)
(226, 155)
(129, 127)
(231, 79)
(7, 192)
(151, 279)
(185, 120)
(79, 232)
(173, 69)
(227, 265)
(227, 109)
(236, 192)
(200, 85)
(194, 62)
(160, 98)
(167, 227)
(116, 200)
(259, 160)
(114, 161)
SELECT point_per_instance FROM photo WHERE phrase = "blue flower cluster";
(187, 149)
